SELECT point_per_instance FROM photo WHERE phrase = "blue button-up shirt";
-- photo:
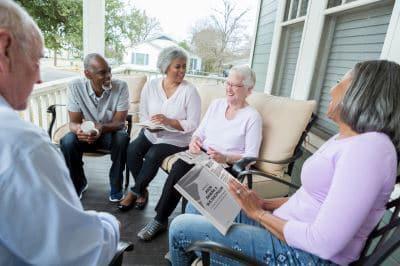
(42, 220)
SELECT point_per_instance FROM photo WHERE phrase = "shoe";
(151, 230)
(141, 205)
(125, 208)
(85, 187)
(167, 257)
(117, 197)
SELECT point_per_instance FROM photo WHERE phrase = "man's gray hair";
(88, 59)
(249, 77)
(167, 55)
(372, 101)
(20, 24)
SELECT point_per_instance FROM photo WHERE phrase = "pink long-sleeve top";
(345, 186)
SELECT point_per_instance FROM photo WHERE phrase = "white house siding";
(263, 41)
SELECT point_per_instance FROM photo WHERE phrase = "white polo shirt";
(81, 98)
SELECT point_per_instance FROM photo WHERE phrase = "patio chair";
(381, 243)
(135, 85)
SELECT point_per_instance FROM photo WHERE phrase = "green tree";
(60, 22)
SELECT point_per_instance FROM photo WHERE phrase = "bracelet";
(261, 216)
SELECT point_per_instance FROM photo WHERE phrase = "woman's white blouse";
(184, 105)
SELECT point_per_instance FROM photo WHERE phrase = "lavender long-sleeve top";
(346, 185)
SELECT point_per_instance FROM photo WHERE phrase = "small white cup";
(88, 127)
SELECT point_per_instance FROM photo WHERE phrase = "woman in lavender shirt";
(345, 185)
(241, 125)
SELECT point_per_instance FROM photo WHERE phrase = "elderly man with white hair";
(43, 222)
(241, 126)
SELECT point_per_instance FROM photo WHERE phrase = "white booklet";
(156, 127)
(206, 187)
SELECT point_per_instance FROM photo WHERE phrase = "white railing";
(55, 92)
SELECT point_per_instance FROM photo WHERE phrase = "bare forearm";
(272, 223)
(111, 127)
(275, 203)
(232, 158)
(73, 127)
(175, 124)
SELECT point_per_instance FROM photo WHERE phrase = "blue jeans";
(246, 236)
(73, 149)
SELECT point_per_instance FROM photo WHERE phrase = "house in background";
(144, 56)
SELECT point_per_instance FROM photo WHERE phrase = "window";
(140, 59)
(292, 33)
(295, 9)
(193, 64)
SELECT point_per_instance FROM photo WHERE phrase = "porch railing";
(55, 92)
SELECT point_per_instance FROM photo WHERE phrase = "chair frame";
(387, 236)
(53, 112)
(118, 257)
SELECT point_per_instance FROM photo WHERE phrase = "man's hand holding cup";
(89, 131)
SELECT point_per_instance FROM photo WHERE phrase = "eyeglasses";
(229, 84)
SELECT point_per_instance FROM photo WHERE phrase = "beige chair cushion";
(135, 85)
(60, 133)
(267, 188)
(284, 120)
(208, 93)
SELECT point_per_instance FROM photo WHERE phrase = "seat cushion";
(284, 121)
(60, 133)
(135, 86)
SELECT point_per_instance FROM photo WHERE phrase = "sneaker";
(117, 197)
(151, 230)
(85, 187)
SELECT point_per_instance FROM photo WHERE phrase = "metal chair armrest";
(248, 173)
(53, 112)
(207, 247)
(122, 247)
(245, 162)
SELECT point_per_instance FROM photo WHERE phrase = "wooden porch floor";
(96, 198)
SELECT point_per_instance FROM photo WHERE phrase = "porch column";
(93, 26)
(390, 50)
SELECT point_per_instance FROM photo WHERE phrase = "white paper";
(152, 126)
(206, 187)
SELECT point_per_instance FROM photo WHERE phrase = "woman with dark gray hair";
(345, 185)
(170, 101)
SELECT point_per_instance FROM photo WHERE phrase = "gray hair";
(249, 76)
(167, 55)
(372, 101)
(88, 59)
(20, 24)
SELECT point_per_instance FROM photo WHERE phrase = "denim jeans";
(73, 150)
(246, 236)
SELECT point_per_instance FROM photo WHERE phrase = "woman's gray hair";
(20, 24)
(249, 77)
(167, 55)
(372, 101)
